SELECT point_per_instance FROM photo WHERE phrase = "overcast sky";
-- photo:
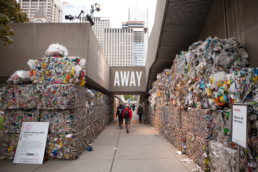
(117, 10)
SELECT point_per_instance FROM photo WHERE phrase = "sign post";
(32, 143)
(239, 128)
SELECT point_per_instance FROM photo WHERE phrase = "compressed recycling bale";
(56, 70)
(89, 118)
(29, 95)
(62, 96)
(65, 146)
(190, 147)
(10, 97)
(198, 122)
(94, 129)
(1, 93)
(179, 138)
(71, 145)
(10, 142)
(163, 130)
(175, 117)
(222, 127)
(104, 113)
(207, 78)
(211, 74)
(157, 120)
(201, 146)
(64, 121)
(56, 96)
(14, 119)
(168, 133)
(197, 148)
(222, 158)
(166, 111)
(96, 114)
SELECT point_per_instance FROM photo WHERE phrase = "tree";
(10, 12)
(126, 97)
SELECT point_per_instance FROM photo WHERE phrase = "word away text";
(124, 76)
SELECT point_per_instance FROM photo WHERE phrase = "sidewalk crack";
(115, 151)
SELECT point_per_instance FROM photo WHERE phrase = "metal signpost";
(239, 128)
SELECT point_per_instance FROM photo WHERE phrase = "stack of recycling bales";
(205, 81)
(72, 125)
(57, 96)
(63, 106)
(15, 113)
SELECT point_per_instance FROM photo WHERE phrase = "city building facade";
(100, 24)
(139, 47)
(118, 46)
(53, 9)
(124, 46)
(40, 16)
(135, 14)
(139, 41)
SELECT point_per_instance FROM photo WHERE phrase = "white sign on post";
(239, 124)
(32, 143)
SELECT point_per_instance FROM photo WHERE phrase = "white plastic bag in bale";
(56, 50)
(19, 77)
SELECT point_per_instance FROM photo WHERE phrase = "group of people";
(125, 112)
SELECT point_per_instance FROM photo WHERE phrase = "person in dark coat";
(133, 107)
(140, 112)
(119, 114)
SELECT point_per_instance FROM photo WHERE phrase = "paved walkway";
(142, 150)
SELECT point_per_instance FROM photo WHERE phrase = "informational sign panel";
(239, 124)
(32, 143)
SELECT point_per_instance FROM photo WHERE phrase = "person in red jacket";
(127, 114)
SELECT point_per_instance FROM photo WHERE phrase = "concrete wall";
(241, 20)
(31, 41)
(154, 39)
(97, 65)
(116, 85)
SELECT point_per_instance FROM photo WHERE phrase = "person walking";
(127, 114)
(140, 112)
(119, 113)
(133, 107)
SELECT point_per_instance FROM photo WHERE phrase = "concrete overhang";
(177, 25)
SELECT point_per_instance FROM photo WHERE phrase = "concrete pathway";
(142, 150)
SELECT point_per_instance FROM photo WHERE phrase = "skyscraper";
(100, 24)
(118, 46)
(139, 47)
(138, 15)
(54, 9)
(139, 41)
(138, 21)
(126, 46)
